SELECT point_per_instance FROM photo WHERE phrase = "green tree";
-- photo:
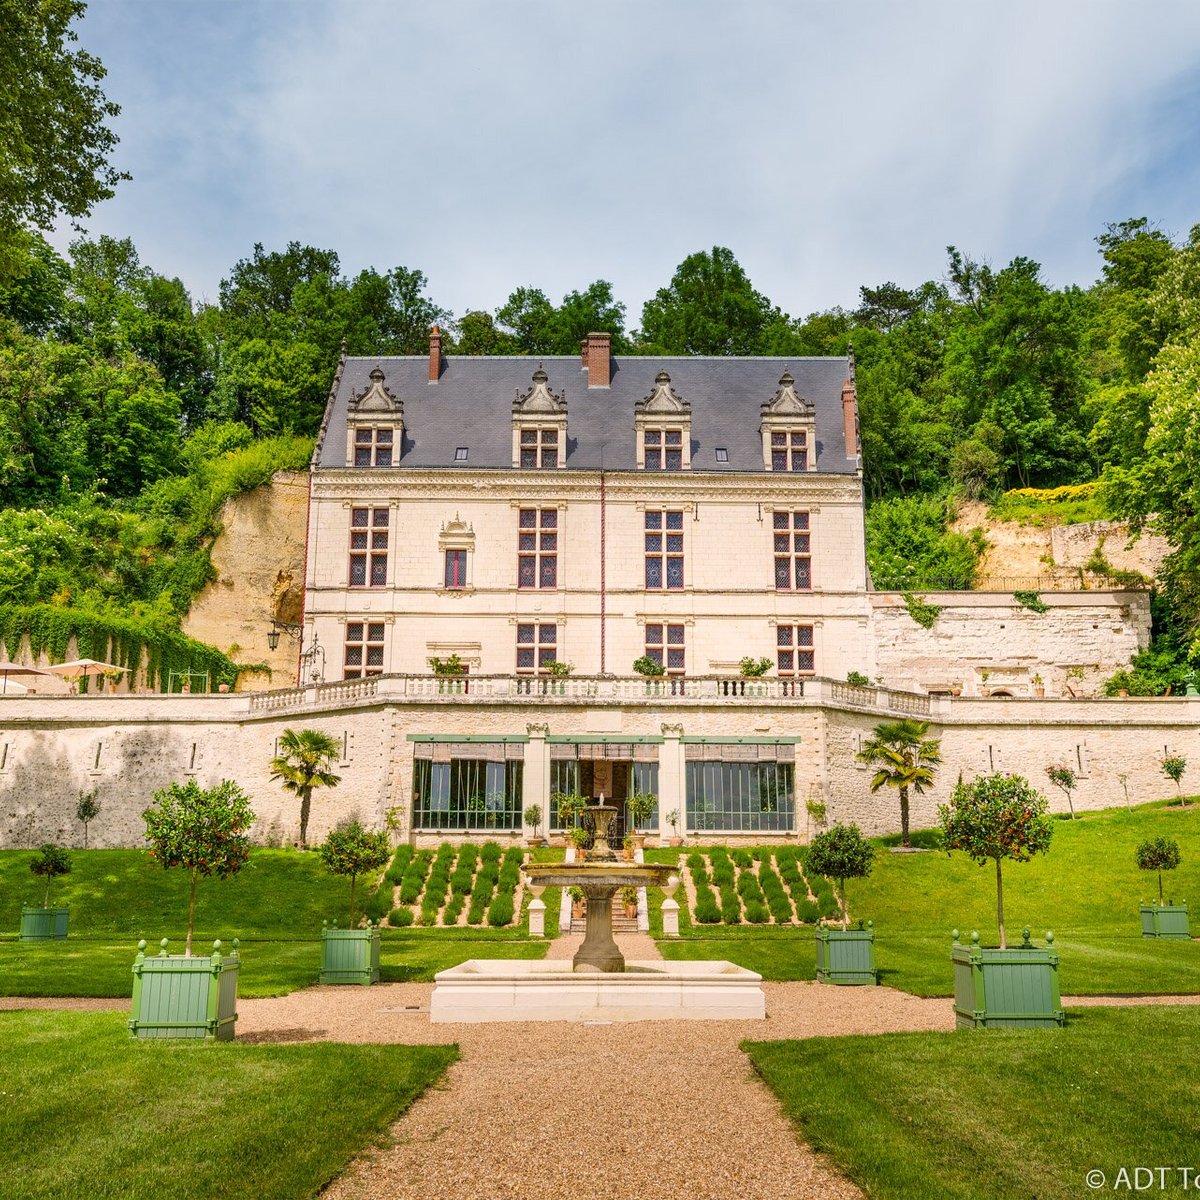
(49, 863)
(1065, 779)
(55, 140)
(352, 850)
(904, 758)
(709, 307)
(86, 811)
(995, 817)
(1161, 854)
(302, 764)
(841, 853)
(202, 830)
(1173, 767)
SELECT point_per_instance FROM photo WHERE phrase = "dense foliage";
(203, 830)
(352, 850)
(50, 862)
(841, 853)
(995, 817)
(1158, 854)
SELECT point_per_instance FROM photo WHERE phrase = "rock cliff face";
(259, 559)
(1058, 554)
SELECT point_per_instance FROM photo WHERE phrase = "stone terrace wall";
(52, 748)
(1083, 638)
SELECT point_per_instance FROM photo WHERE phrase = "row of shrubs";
(486, 876)
(758, 899)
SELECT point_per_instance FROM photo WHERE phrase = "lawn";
(999, 1114)
(84, 1111)
(103, 967)
(274, 907)
(1086, 890)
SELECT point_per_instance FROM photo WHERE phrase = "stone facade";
(52, 747)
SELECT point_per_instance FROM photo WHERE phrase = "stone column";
(536, 785)
(537, 915)
(672, 782)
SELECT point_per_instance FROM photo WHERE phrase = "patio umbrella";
(77, 668)
(12, 668)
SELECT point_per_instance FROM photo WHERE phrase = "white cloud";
(493, 145)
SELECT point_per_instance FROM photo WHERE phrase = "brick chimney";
(597, 359)
(435, 354)
(850, 418)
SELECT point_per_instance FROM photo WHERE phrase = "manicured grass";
(1086, 890)
(85, 1111)
(280, 893)
(103, 967)
(993, 1115)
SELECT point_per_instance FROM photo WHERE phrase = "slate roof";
(471, 405)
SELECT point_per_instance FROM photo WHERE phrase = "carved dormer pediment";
(787, 402)
(539, 400)
(374, 425)
(788, 426)
(456, 534)
(539, 420)
(664, 400)
(376, 399)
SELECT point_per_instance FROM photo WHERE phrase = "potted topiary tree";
(352, 955)
(843, 955)
(532, 816)
(993, 818)
(46, 924)
(1162, 920)
(570, 807)
(638, 810)
(205, 831)
(673, 821)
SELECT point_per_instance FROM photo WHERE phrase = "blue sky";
(544, 143)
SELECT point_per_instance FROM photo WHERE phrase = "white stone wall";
(1083, 638)
(51, 748)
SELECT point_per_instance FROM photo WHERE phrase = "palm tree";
(302, 764)
(904, 758)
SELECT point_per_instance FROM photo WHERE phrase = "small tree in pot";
(203, 830)
(993, 818)
(46, 924)
(532, 816)
(352, 955)
(1162, 920)
(51, 862)
(990, 819)
(638, 809)
(843, 955)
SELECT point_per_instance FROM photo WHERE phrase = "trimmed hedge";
(399, 917)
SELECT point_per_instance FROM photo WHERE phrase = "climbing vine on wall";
(148, 649)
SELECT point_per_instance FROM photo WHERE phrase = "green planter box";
(350, 955)
(846, 955)
(43, 924)
(1162, 920)
(1015, 988)
(175, 996)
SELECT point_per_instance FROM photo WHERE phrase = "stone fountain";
(599, 984)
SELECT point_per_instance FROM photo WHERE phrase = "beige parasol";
(78, 668)
(12, 668)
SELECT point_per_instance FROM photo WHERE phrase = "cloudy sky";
(541, 142)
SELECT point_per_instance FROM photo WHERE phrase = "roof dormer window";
(788, 428)
(539, 426)
(374, 426)
(663, 425)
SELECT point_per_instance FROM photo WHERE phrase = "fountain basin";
(488, 990)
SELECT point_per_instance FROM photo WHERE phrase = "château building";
(502, 516)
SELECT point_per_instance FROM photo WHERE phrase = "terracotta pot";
(626, 855)
(956, 691)
(577, 909)
(1122, 692)
(675, 841)
(1039, 691)
(631, 911)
